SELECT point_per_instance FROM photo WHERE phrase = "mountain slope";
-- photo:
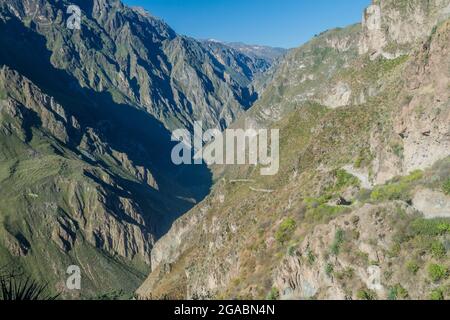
(269, 54)
(360, 207)
(139, 59)
(86, 176)
(254, 65)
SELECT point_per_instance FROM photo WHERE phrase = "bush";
(274, 294)
(437, 294)
(398, 292)
(329, 269)
(412, 267)
(344, 179)
(398, 150)
(444, 227)
(365, 294)
(292, 250)
(311, 257)
(438, 250)
(313, 203)
(324, 213)
(20, 288)
(446, 187)
(437, 272)
(364, 159)
(285, 230)
(435, 227)
(347, 273)
(413, 176)
(397, 190)
(339, 238)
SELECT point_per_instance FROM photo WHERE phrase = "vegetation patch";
(437, 295)
(364, 159)
(347, 273)
(438, 250)
(366, 294)
(285, 230)
(344, 180)
(412, 267)
(397, 292)
(3, 94)
(435, 227)
(17, 287)
(329, 269)
(311, 257)
(437, 272)
(398, 189)
(339, 239)
(274, 294)
(446, 187)
(324, 213)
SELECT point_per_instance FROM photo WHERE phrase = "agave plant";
(16, 287)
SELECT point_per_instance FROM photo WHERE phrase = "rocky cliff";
(391, 28)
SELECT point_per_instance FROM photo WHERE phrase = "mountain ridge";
(85, 123)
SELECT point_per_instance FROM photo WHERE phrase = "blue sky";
(283, 23)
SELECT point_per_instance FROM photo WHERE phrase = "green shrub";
(285, 230)
(364, 158)
(444, 227)
(347, 273)
(437, 294)
(344, 179)
(398, 292)
(437, 272)
(432, 228)
(446, 187)
(20, 288)
(323, 213)
(438, 250)
(413, 176)
(389, 192)
(412, 267)
(311, 257)
(274, 294)
(365, 294)
(396, 190)
(313, 203)
(388, 274)
(291, 250)
(339, 239)
(359, 162)
(398, 150)
(329, 269)
(395, 250)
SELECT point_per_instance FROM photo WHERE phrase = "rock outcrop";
(391, 28)
(421, 134)
(432, 204)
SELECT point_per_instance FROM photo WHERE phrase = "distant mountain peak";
(214, 40)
